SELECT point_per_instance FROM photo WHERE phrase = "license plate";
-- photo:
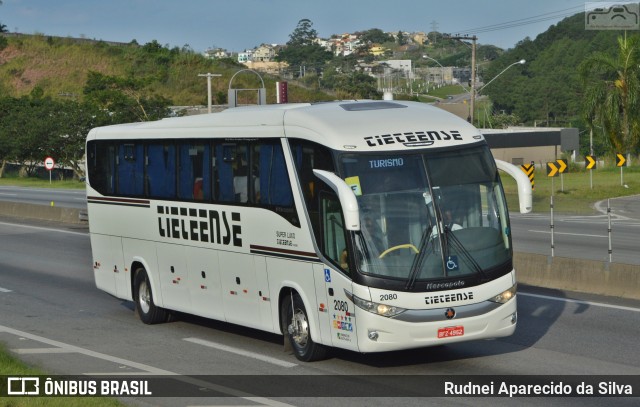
(450, 331)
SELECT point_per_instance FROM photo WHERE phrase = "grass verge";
(10, 366)
(35, 182)
(573, 193)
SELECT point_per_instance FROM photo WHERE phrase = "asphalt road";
(583, 237)
(52, 316)
(574, 236)
(68, 198)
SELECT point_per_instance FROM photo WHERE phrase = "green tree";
(612, 93)
(3, 28)
(302, 49)
(400, 38)
(74, 120)
(8, 107)
(356, 85)
(374, 36)
(304, 34)
(29, 125)
(125, 98)
(503, 120)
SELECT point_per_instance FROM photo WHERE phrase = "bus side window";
(130, 169)
(102, 156)
(241, 172)
(161, 170)
(275, 188)
(225, 157)
(193, 175)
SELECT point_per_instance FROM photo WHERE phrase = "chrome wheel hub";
(299, 328)
(144, 297)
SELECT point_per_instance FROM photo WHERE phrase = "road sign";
(557, 167)
(620, 160)
(49, 163)
(530, 170)
(562, 165)
(590, 162)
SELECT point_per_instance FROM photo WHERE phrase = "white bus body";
(370, 225)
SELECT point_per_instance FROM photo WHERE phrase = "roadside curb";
(601, 207)
(587, 276)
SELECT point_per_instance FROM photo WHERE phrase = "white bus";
(364, 225)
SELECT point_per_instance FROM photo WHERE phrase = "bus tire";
(146, 309)
(295, 324)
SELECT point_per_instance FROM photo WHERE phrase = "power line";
(552, 15)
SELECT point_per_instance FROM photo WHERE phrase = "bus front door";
(337, 282)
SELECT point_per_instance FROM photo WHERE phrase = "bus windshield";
(428, 215)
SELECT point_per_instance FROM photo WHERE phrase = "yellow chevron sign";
(621, 160)
(530, 170)
(557, 167)
(590, 162)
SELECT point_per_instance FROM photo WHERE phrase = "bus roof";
(344, 125)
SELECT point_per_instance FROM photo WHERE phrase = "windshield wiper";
(416, 265)
(456, 244)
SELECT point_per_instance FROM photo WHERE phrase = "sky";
(236, 25)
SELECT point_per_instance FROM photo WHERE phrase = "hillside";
(547, 90)
(59, 66)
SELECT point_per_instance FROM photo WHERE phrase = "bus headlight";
(505, 296)
(384, 310)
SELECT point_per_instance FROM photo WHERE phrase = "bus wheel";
(295, 324)
(148, 312)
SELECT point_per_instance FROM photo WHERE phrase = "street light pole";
(209, 76)
(520, 62)
(473, 91)
(473, 69)
(441, 67)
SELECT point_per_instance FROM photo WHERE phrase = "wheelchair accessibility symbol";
(327, 276)
(452, 263)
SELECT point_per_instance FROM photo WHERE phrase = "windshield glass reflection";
(430, 215)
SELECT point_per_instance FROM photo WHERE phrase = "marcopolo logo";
(413, 138)
(200, 225)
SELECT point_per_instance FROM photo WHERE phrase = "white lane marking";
(595, 304)
(7, 194)
(44, 229)
(4, 290)
(241, 352)
(148, 369)
(86, 352)
(564, 233)
(35, 351)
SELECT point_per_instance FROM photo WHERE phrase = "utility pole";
(209, 76)
(473, 39)
(434, 29)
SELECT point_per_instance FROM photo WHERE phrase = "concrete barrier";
(588, 276)
(42, 212)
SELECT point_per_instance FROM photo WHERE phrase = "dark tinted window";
(252, 173)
